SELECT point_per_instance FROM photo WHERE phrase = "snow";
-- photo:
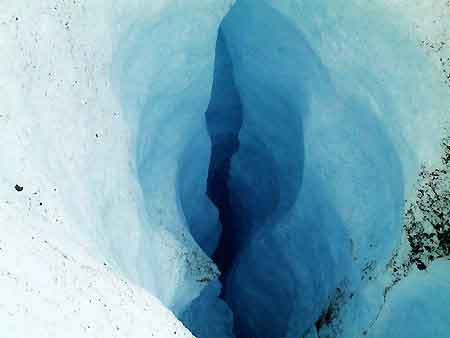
(49, 290)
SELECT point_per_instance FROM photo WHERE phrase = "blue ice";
(290, 174)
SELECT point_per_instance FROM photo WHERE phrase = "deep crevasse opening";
(284, 249)
(138, 163)
(288, 175)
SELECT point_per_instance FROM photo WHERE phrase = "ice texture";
(163, 84)
(418, 306)
(146, 145)
(282, 213)
(319, 218)
(310, 215)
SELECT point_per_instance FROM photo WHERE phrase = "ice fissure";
(247, 168)
(271, 239)
(306, 178)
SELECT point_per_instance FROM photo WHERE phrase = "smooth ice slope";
(418, 306)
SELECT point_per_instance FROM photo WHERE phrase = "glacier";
(226, 169)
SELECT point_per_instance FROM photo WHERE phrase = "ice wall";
(284, 270)
(326, 155)
(162, 85)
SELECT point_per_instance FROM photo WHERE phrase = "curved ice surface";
(310, 165)
(163, 85)
(151, 143)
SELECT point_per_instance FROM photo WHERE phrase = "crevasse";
(290, 173)
(284, 246)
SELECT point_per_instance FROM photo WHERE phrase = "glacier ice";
(418, 306)
(241, 164)
(282, 215)
(163, 84)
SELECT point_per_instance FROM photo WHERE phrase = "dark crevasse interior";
(249, 193)
(256, 163)
(255, 169)
(224, 121)
(283, 246)
(244, 178)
